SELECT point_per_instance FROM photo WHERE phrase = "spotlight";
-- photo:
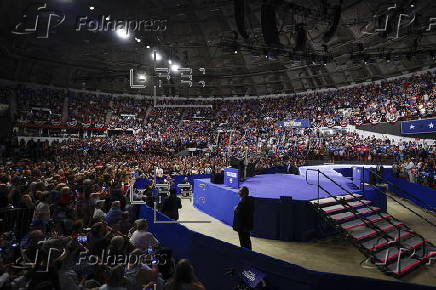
(137, 40)
(388, 58)
(122, 33)
(156, 56)
(142, 77)
(175, 67)
(148, 46)
(169, 61)
(236, 52)
(91, 7)
(108, 18)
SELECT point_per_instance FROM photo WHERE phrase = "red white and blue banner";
(419, 126)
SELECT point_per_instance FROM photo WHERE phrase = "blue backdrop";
(419, 126)
(421, 195)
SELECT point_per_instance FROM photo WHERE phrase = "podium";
(231, 177)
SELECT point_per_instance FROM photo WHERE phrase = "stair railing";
(355, 213)
(352, 209)
(399, 202)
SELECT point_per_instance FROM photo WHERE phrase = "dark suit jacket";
(243, 215)
(171, 205)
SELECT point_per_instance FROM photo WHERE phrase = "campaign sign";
(231, 177)
(419, 126)
(252, 277)
(294, 123)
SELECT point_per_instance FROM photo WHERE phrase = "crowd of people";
(82, 233)
(399, 99)
(76, 189)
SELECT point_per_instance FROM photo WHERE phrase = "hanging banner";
(419, 126)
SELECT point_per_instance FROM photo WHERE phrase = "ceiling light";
(175, 67)
(91, 7)
(122, 33)
(148, 46)
(156, 56)
(169, 61)
(236, 52)
(142, 77)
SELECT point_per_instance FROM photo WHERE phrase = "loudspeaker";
(269, 24)
(217, 178)
(240, 17)
(337, 16)
(301, 38)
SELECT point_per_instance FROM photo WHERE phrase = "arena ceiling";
(204, 34)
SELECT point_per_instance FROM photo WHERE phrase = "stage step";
(407, 262)
(379, 241)
(331, 200)
(389, 254)
(364, 232)
(339, 207)
(360, 222)
(347, 215)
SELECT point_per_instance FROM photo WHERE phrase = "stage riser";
(283, 219)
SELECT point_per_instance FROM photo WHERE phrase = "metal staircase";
(388, 243)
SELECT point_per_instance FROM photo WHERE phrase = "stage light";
(142, 77)
(148, 46)
(236, 52)
(137, 40)
(158, 57)
(175, 67)
(169, 61)
(108, 18)
(122, 33)
(91, 7)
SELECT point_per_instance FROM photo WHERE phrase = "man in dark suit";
(243, 217)
(171, 205)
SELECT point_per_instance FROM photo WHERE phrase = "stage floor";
(295, 186)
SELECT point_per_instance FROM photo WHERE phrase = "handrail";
(353, 211)
(429, 208)
(405, 206)
(367, 222)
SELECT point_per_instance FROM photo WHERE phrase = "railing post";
(318, 187)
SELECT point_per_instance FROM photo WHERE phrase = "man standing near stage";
(243, 217)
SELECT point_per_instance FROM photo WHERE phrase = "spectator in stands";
(141, 276)
(171, 205)
(114, 214)
(125, 225)
(98, 238)
(42, 210)
(184, 278)
(141, 238)
(116, 279)
(99, 214)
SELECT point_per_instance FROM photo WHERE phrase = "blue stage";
(281, 208)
